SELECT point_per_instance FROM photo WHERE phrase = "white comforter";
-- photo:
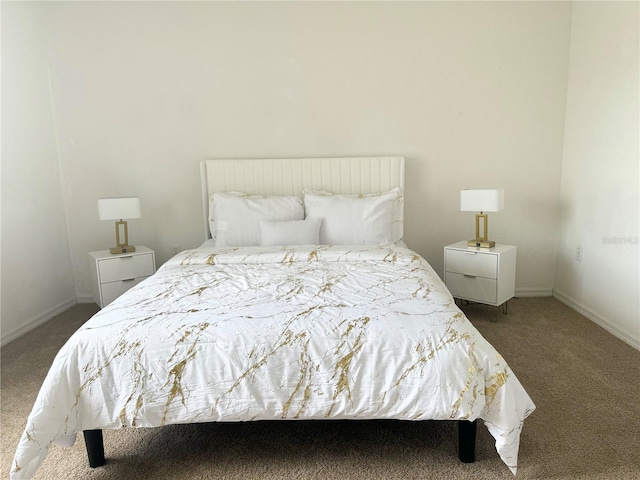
(277, 333)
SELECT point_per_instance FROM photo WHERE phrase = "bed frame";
(346, 175)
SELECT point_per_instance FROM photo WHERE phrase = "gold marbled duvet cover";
(277, 333)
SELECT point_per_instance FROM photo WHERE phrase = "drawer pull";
(128, 280)
(126, 258)
(466, 275)
(470, 253)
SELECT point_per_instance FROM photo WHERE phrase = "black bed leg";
(467, 441)
(95, 447)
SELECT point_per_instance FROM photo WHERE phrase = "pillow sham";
(291, 232)
(355, 219)
(237, 216)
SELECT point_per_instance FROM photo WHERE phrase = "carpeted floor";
(584, 381)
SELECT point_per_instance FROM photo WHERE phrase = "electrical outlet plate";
(578, 253)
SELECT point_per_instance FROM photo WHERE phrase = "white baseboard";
(86, 298)
(598, 319)
(39, 320)
(534, 292)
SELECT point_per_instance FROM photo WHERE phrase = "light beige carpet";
(584, 381)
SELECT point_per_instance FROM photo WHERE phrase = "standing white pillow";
(237, 216)
(353, 219)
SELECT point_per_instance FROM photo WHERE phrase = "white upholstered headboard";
(290, 176)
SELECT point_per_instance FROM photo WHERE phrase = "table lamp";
(119, 208)
(481, 201)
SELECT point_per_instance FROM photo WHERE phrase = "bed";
(303, 302)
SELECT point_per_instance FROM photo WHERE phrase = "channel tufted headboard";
(291, 176)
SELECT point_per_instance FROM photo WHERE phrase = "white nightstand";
(484, 275)
(112, 275)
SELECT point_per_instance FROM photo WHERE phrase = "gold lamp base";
(481, 240)
(480, 243)
(122, 246)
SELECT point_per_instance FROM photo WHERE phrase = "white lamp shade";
(481, 200)
(119, 208)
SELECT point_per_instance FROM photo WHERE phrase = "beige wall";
(600, 172)
(37, 278)
(472, 94)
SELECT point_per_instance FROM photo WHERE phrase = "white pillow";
(354, 219)
(292, 232)
(237, 216)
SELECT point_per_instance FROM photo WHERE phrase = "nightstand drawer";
(111, 291)
(125, 267)
(471, 263)
(474, 288)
